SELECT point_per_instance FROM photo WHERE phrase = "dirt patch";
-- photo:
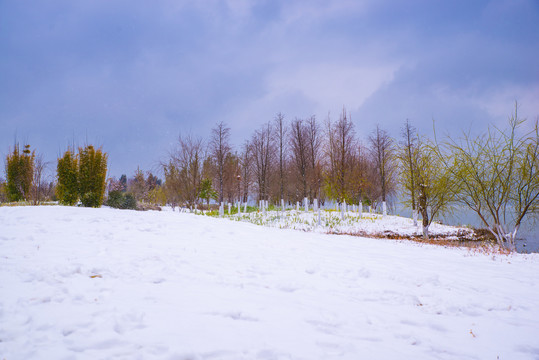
(474, 238)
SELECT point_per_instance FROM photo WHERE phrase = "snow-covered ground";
(81, 283)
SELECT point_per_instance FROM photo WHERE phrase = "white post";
(360, 209)
(245, 208)
(318, 216)
(306, 202)
(342, 210)
(384, 208)
(282, 205)
(222, 209)
(239, 207)
(414, 215)
(229, 208)
(297, 206)
(345, 206)
(315, 205)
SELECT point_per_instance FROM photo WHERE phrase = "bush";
(119, 200)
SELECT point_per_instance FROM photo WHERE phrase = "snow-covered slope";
(101, 283)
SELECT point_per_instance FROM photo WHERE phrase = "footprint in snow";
(235, 315)
(130, 321)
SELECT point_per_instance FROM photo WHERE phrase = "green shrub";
(119, 200)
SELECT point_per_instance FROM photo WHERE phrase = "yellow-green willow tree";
(496, 175)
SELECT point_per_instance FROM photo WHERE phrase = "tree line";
(289, 160)
(493, 174)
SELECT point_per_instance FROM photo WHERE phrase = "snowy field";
(81, 283)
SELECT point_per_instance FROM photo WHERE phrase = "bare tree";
(39, 183)
(407, 148)
(173, 185)
(314, 147)
(497, 176)
(262, 151)
(340, 154)
(245, 164)
(364, 174)
(299, 152)
(281, 134)
(383, 155)
(184, 169)
(230, 181)
(220, 149)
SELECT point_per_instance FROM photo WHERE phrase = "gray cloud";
(132, 75)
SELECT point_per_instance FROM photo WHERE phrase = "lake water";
(527, 236)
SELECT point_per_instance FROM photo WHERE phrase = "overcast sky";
(132, 75)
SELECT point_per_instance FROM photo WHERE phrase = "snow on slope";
(101, 283)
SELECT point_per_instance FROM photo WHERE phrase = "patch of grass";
(29, 203)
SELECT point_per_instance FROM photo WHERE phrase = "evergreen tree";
(67, 189)
(123, 182)
(92, 176)
(138, 186)
(207, 192)
(19, 173)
